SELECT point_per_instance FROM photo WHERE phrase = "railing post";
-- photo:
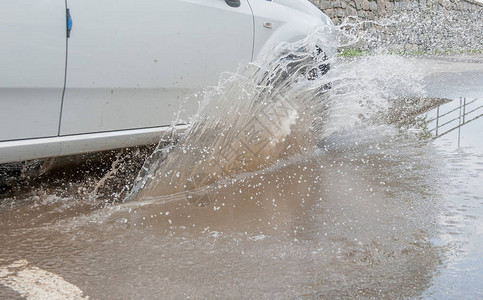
(459, 125)
(464, 109)
(437, 120)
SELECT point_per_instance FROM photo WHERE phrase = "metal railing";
(466, 112)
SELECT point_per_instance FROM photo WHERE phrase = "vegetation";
(355, 52)
(352, 52)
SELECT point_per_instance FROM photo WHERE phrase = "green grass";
(437, 52)
(352, 52)
(356, 52)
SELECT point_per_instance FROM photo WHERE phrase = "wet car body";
(87, 76)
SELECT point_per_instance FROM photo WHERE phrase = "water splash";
(260, 114)
(273, 109)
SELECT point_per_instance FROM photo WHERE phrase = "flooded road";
(375, 210)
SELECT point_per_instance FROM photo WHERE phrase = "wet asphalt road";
(375, 212)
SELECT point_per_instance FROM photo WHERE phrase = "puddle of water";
(460, 230)
(338, 203)
(349, 220)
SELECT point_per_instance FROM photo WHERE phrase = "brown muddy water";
(374, 210)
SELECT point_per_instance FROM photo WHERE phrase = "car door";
(32, 67)
(132, 63)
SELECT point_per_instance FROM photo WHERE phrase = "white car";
(80, 76)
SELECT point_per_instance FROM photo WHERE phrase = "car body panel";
(131, 64)
(304, 19)
(23, 150)
(32, 64)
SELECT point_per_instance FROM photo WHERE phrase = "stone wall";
(374, 9)
(411, 25)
